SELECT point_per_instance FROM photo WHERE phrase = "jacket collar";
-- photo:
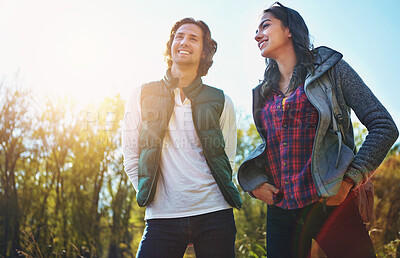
(170, 81)
(325, 58)
(190, 91)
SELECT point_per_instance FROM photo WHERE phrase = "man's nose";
(184, 41)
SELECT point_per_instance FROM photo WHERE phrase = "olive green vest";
(157, 105)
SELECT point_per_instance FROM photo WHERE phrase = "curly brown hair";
(209, 45)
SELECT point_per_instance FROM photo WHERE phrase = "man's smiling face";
(187, 47)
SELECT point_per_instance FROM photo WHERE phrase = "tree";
(15, 125)
(251, 219)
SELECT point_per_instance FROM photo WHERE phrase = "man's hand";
(341, 195)
(265, 193)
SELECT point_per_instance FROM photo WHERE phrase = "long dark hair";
(303, 48)
(209, 45)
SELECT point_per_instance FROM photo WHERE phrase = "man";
(179, 143)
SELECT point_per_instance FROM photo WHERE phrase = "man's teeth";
(184, 52)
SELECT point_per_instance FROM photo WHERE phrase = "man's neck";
(185, 76)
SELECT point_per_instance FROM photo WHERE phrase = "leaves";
(63, 189)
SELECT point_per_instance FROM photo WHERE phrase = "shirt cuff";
(349, 180)
(252, 195)
(356, 176)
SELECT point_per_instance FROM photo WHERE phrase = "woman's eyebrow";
(261, 23)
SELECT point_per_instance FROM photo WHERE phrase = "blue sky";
(93, 48)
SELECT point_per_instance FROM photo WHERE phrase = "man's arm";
(228, 128)
(130, 136)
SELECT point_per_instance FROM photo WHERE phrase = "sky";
(90, 49)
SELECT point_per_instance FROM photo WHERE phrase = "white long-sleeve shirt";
(185, 186)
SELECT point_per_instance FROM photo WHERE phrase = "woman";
(307, 169)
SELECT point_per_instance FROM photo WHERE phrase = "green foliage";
(251, 219)
(391, 249)
(63, 189)
(251, 227)
(360, 132)
(247, 137)
(15, 131)
(385, 227)
(394, 150)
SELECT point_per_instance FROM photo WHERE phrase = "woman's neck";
(286, 66)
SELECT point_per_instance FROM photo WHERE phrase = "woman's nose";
(257, 37)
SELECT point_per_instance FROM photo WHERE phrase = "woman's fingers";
(265, 193)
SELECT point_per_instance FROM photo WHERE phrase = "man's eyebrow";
(192, 35)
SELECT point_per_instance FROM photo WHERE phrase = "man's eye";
(265, 25)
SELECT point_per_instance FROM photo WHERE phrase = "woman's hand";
(337, 199)
(265, 193)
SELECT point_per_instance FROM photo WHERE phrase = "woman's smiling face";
(272, 37)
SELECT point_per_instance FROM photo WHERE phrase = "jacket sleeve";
(251, 173)
(382, 131)
(130, 136)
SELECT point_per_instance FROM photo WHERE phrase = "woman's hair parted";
(209, 45)
(301, 42)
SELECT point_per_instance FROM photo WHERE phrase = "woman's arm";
(382, 131)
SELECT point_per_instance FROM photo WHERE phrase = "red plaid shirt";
(290, 126)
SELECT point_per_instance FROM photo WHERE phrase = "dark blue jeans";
(212, 235)
(338, 230)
